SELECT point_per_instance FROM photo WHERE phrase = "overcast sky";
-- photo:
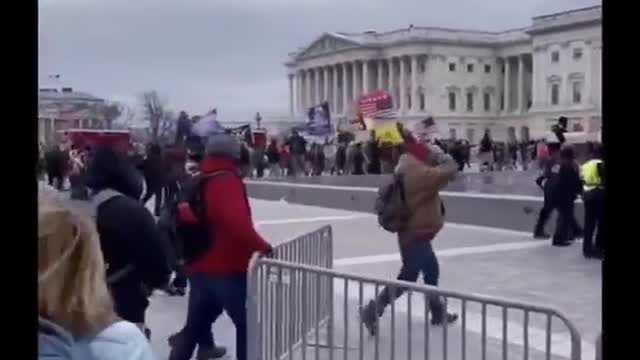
(230, 53)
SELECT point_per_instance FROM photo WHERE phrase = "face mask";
(47, 273)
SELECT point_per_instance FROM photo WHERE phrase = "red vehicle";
(82, 138)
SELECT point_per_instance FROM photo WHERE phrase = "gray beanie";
(223, 145)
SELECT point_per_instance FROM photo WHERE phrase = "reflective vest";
(589, 174)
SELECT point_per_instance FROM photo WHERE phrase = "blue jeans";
(207, 292)
(417, 257)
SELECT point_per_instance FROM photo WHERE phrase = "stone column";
(415, 106)
(507, 84)
(392, 83)
(588, 74)
(535, 94)
(307, 98)
(325, 78)
(299, 92)
(520, 91)
(291, 97)
(365, 77)
(345, 89)
(316, 93)
(380, 64)
(334, 79)
(402, 85)
(354, 81)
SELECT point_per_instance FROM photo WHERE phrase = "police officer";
(593, 186)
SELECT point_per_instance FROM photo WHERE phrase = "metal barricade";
(281, 302)
(313, 249)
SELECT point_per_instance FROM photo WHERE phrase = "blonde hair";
(72, 289)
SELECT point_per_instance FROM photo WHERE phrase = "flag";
(376, 105)
(207, 125)
(319, 120)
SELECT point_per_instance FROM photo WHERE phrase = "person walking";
(298, 149)
(424, 172)
(138, 259)
(273, 158)
(592, 173)
(565, 188)
(154, 170)
(218, 275)
(75, 310)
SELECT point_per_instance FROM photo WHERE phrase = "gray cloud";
(230, 53)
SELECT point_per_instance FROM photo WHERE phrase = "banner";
(388, 132)
(319, 120)
(208, 125)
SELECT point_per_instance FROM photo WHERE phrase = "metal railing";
(281, 301)
(312, 249)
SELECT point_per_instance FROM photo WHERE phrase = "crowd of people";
(96, 275)
(294, 156)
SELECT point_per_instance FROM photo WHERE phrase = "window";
(423, 102)
(470, 68)
(577, 54)
(487, 69)
(577, 92)
(502, 101)
(421, 67)
(555, 94)
(487, 101)
(452, 101)
(469, 101)
(452, 67)
(555, 57)
(503, 69)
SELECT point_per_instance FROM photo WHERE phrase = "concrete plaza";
(490, 261)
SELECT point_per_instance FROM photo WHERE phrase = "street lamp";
(258, 119)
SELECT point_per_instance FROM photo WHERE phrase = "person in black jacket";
(155, 176)
(565, 188)
(138, 259)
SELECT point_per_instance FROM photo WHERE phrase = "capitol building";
(517, 81)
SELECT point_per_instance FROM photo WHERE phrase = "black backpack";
(391, 206)
(194, 237)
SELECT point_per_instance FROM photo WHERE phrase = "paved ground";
(489, 261)
(496, 182)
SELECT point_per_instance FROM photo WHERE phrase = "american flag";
(376, 105)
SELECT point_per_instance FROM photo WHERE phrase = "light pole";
(258, 119)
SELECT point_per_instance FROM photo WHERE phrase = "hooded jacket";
(227, 210)
(422, 180)
(128, 233)
(121, 340)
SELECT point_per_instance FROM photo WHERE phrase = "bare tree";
(110, 112)
(126, 118)
(162, 121)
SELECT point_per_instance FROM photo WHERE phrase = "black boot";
(541, 235)
(369, 316)
(210, 352)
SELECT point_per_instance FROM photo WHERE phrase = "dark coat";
(128, 233)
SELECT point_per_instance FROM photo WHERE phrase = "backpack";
(391, 206)
(194, 236)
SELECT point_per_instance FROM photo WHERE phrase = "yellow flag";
(388, 133)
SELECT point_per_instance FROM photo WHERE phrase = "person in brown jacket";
(424, 171)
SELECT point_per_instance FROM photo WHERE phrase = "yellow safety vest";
(589, 174)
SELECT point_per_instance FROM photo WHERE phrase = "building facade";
(516, 81)
(60, 109)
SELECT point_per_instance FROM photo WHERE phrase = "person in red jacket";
(220, 275)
